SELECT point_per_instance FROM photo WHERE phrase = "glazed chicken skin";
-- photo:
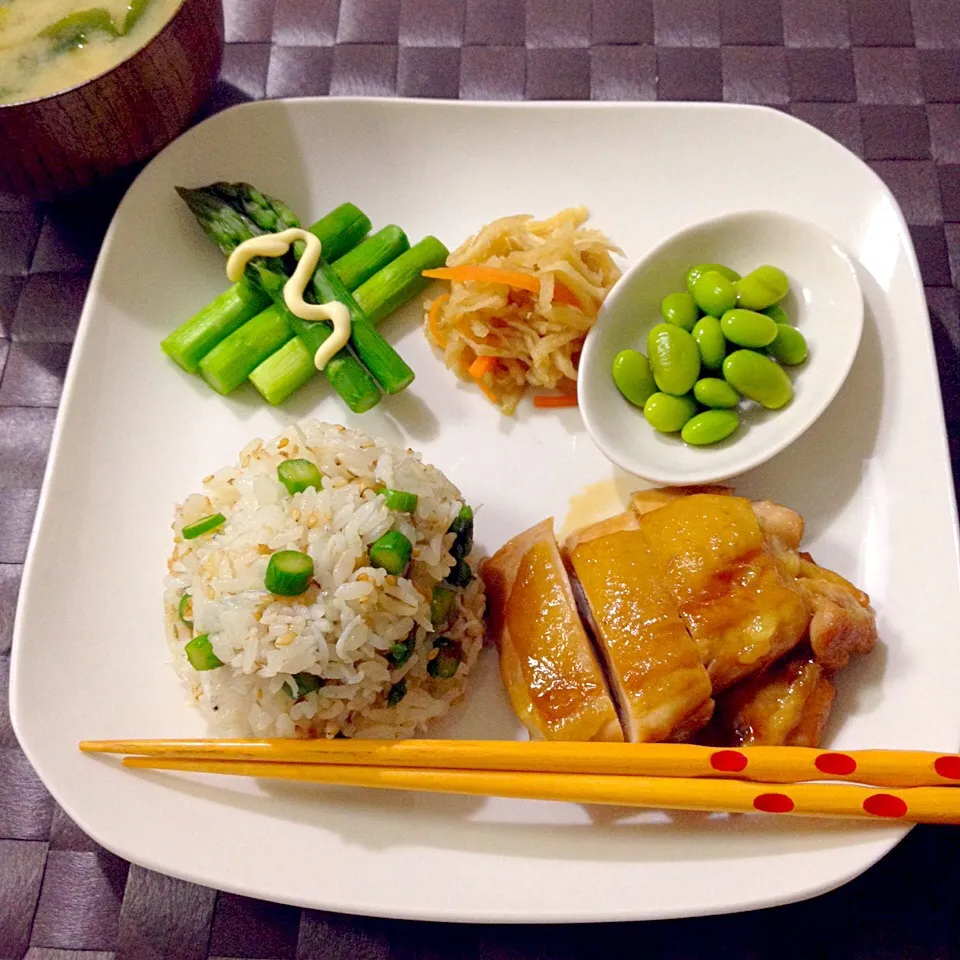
(653, 666)
(715, 562)
(548, 666)
(706, 620)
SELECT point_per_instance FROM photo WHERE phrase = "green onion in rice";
(204, 525)
(349, 656)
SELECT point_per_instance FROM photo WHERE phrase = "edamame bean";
(758, 378)
(631, 374)
(747, 328)
(667, 413)
(694, 273)
(716, 393)
(680, 309)
(711, 426)
(762, 288)
(789, 347)
(674, 358)
(710, 341)
(714, 293)
(777, 314)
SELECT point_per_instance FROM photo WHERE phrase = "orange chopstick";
(893, 768)
(911, 805)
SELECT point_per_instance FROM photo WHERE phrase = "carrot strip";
(491, 396)
(516, 279)
(510, 278)
(544, 402)
(480, 366)
(563, 294)
(434, 316)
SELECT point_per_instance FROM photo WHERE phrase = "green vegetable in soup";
(74, 30)
(135, 10)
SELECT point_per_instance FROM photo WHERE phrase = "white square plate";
(872, 478)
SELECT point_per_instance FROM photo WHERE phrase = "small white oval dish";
(825, 303)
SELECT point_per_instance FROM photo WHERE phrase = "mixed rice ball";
(324, 586)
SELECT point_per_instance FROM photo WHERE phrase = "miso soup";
(51, 45)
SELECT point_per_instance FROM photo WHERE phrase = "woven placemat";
(881, 76)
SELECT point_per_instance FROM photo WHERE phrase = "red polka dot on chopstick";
(885, 805)
(773, 803)
(836, 763)
(728, 761)
(948, 767)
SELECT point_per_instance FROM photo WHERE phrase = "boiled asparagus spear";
(339, 232)
(225, 218)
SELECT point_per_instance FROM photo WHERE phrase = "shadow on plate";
(381, 819)
(819, 473)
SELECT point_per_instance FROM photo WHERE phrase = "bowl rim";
(591, 417)
(33, 101)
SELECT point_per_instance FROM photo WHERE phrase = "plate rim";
(883, 843)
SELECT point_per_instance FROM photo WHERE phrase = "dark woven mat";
(882, 76)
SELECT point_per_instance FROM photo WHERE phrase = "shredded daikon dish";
(523, 294)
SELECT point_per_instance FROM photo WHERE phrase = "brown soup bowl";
(73, 139)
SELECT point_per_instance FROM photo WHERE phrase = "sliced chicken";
(789, 704)
(714, 561)
(548, 666)
(693, 595)
(652, 664)
(627, 520)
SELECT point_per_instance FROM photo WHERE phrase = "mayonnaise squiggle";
(276, 245)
